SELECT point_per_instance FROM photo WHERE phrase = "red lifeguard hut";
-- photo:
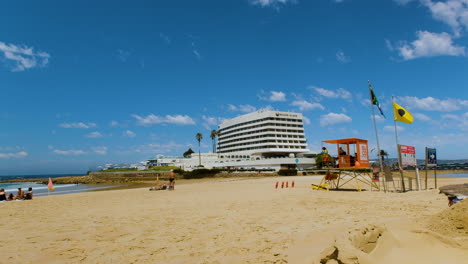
(353, 156)
(352, 152)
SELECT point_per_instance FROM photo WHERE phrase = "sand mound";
(353, 246)
(451, 222)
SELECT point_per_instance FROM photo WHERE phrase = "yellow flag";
(402, 114)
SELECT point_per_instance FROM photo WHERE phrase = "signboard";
(408, 155)
(431, 157)
(363, 152)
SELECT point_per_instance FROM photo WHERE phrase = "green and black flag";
(374, 100)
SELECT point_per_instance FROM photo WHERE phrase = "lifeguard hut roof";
(345, 141)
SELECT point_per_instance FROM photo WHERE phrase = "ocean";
(456, 175)
(42, 190)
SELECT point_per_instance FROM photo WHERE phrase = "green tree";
(188, 153)
(213, 136)
(199, 137)
(383, 154)
(320, 163)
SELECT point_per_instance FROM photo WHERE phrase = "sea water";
(41, 189)
(456, 175)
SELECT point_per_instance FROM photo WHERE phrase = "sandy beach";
(236, 221)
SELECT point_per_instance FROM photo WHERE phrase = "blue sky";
(85, 83)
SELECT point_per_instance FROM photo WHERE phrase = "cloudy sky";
(85, 83)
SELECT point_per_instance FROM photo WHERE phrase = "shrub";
(163, 168)
(287, 172)
(200, 173)
(178, 171)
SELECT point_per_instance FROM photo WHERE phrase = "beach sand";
(236, 221)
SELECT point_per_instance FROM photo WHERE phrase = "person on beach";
(29, 194)
(20, 195)
(165, 186)
(171, 180)
(324, 150)
(342, 152)
(325, 156)
(3, 197)
(10, 197)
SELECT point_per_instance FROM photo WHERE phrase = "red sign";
(408, 155)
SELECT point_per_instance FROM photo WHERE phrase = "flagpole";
(398, 148)
(377, 139)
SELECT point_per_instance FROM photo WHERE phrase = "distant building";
(264, 139)
(264, 133)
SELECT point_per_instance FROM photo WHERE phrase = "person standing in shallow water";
(171, 180)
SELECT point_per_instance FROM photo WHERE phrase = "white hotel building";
(264, 139)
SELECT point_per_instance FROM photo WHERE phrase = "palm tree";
(199, 137)
(383, 154)
(213, 136)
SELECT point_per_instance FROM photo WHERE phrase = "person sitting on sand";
(29, 194)
(10, 197)
(165, 186)
(20, 195)
(3, 197)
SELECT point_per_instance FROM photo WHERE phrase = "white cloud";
(453, 12)
(277, 96)
(433, 104)
(20, 154)
(378, 118)
(334, 119)
(458, 122)
(129, 133)
(272, 3)
(113, 123)
(304, 105)
(392, 128)
(402, 2)
(123, 55)
(158, 148)
(430, 44)
(211, 122)
(94, 134)
(306, 120)
(421, 117)
(23, 57)
(169, 119)
(100, 150)
(341, 57)
(71, 152)
(77, 125)
(197, 54)
(340, 93)
(242, 108)
(166, 38)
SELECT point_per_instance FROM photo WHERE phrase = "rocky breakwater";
(103, 178)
